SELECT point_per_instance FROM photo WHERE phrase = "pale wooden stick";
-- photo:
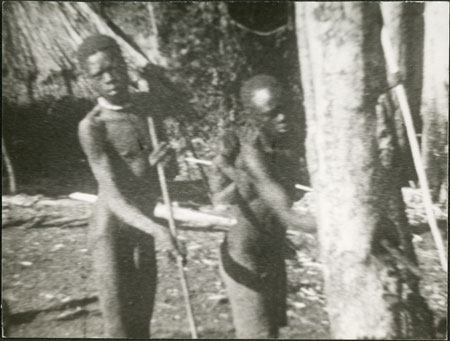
(303, 188)
(198, 161)
(173, 230)
(209, 163)
(404, 106)
(9, 169)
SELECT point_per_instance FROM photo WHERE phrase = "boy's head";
(261, 93)
(101, 59)
(264, 99)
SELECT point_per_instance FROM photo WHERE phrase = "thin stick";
(9, 169)
(173, 230)
(404, 106)
(198, 161)
(303, 188)
(210, 163)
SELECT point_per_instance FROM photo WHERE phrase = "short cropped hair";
(258, 82)
(94, 44)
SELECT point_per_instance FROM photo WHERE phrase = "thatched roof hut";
(40, 40)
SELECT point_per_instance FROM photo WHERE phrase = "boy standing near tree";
(123, 232)
(256, 171)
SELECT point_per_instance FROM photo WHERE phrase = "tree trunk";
(435, 97)
(367, 271)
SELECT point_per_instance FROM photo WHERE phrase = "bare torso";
(280, 162)
(125, 140)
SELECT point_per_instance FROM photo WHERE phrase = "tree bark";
(435, 97)
(367, 271)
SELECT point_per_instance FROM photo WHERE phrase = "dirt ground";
(50, 291)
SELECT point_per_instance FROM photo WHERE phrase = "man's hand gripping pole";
(173, 230)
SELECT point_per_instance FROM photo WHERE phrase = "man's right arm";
(92, 138)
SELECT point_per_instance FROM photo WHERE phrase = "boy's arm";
(222, 182)
(223, 178)
(92, 138)
(269, 190)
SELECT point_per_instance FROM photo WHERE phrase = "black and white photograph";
(225, 169)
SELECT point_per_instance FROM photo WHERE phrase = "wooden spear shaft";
(173, 230)
(411, 133)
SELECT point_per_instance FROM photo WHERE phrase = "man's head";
(101, 59)
(263, 97)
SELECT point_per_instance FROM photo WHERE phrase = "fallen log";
(199, 220)
(187, 215)
(66, 222)
(15, 318)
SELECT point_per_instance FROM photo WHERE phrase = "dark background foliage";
(211, 49)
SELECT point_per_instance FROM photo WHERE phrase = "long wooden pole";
(173, 230)
(411, 133)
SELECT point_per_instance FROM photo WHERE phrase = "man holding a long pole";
(117, 140)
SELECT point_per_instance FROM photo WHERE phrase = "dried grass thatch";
(40, 40)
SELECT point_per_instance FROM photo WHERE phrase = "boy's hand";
(289, 249)
(161, 154)
(297, 221)
(172, 247)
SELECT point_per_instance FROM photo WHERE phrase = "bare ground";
(50, 292)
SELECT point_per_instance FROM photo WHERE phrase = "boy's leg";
(249, 298)
(274, 258)
(140, 285)
(253, 270)
(106, 264)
